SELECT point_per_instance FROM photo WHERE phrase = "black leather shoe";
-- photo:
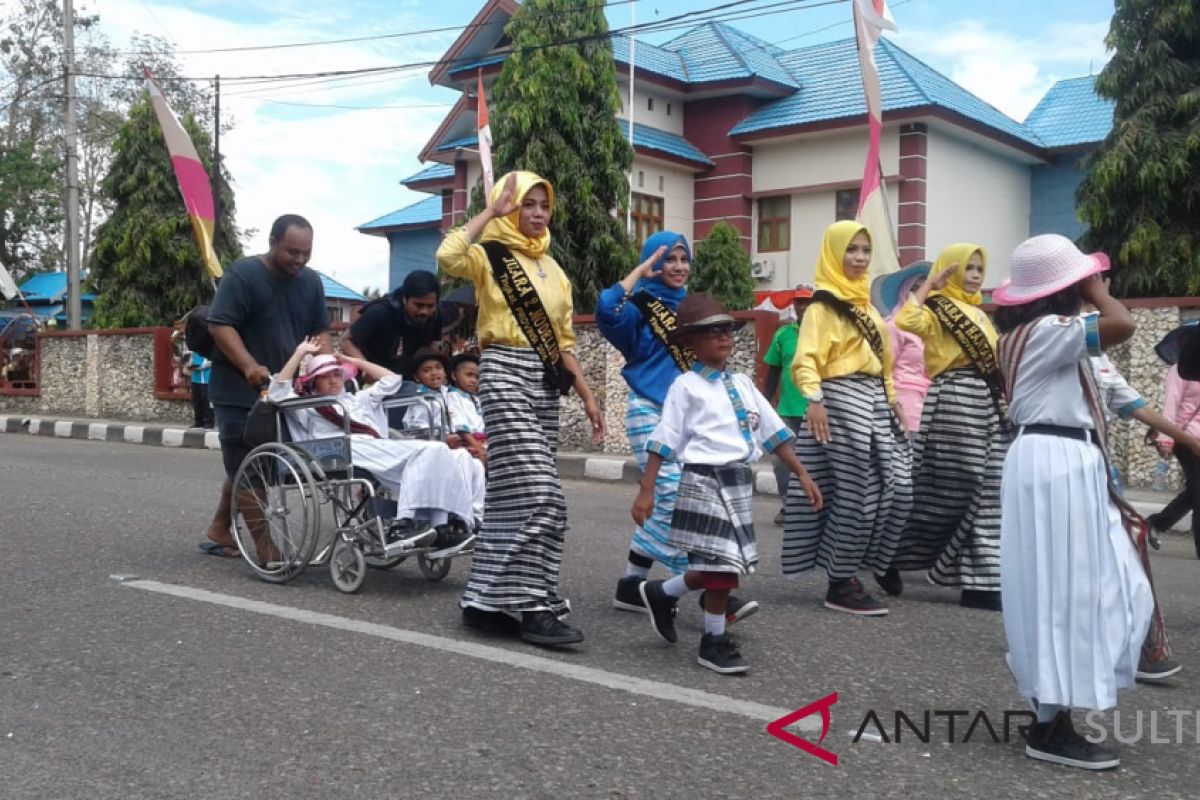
(987, 601)
(490, 622)
(891, 582)
(542, 627)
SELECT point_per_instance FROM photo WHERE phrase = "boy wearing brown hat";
(716, 424)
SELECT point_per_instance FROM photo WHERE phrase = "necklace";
(541, 271)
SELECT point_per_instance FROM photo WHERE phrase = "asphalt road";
(190, 678)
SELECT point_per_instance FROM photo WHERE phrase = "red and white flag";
(485, 136)
(871, 18)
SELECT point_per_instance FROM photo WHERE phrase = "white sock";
(714, 623)
(675, 587)
(636, 571)
(1046, 711)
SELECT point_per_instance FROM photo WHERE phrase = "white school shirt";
(1119, 398)
(699, 424)
(1047, 390)
(365, 407)
(464, 416)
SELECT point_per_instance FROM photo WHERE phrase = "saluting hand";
(940, 280)
(646, 268)
(506, 203)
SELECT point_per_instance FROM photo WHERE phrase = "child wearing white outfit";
(1077, 601)
(428, 480)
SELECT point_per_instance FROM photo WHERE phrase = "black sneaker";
(495, 622)
(406, 535)
(848, 595)
(543, 627)
(628, 598)
(891, 582)
(720, 654)
(736, 609)
(1057, 742)
(987, 601)
(451, 540)
(661, 608)
(1153, 673)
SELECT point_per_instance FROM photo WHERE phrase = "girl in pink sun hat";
(1077, 600)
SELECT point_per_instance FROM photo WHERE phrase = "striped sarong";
(958, 463)
(713, 521)
(651, 538)
(864, 475)
(519, 549)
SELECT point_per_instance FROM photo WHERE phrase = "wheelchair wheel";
(275, 509)
(347, 567)
(433, 568)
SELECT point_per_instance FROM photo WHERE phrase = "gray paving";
(111, 692)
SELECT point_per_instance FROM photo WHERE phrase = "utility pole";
(74, 302)
(216, 164)
(632, 69)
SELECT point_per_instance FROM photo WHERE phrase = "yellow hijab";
(830, 276)
(507, 230)
(959, 254)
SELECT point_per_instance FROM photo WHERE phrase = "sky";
(335, 151)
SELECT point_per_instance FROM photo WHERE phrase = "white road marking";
(497, 655)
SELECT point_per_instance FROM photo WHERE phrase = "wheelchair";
(292, 492)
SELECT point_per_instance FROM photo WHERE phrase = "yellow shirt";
(458, 257)
(941, 350)
(831, 347)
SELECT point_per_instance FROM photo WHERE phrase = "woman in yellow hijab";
(954, 529)
(523, 370)
(853, 441)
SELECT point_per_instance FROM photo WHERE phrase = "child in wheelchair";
(428, 481)
(465, 424)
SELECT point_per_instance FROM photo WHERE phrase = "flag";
(485, 136)
(871, 18)
(193, 181)
(8, 287)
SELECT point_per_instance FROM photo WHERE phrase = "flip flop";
(209, 547)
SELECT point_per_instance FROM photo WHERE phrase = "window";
(649, 103)
(774, 224)
(662, 181)
(641, 179)
(668, 109)
(846, 206)
(335, 312)
(647, 216)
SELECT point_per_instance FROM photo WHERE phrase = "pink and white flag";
(871, 18)
(485, 137)
(193, 181)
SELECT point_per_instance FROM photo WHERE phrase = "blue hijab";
(655, 286)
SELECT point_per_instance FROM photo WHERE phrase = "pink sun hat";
(1043, 265)
(320, 365)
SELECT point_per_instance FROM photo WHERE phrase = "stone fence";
(132, 374)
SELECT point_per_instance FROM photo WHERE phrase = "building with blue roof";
(46, 295)
(728, 127)
(340, 300)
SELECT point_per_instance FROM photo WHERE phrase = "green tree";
(553, 111)
(146, 268)
(1140, 197)
(722, 268)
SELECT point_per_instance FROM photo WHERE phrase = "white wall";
(975, 195)
(658, 118)
(677, 192)
(809, 161)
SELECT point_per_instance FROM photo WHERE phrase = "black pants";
(202, 412)
(1187, 500)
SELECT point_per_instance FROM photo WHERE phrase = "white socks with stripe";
(675, 587)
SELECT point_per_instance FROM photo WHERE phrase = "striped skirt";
(713, 521)
(954, 528)
(651, 538)
(519, 549)
(864, 475)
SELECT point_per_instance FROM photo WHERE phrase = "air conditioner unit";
(762, 269)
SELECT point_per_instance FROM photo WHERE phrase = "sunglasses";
(718, 332)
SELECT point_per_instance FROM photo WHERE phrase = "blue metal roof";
(48, 287)
(832, 89)
(651, 58)
(339, 291)
(421, 212)
(1071, 113)
(471, 140)
(716, 52)
(434, 172)
(471, 66)
(665, 142)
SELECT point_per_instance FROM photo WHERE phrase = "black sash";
(973, 341)
(857, 317)
(529, 313)
(661, 320)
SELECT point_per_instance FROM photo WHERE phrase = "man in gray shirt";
(264, 307)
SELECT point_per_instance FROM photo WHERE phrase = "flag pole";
(632, 69)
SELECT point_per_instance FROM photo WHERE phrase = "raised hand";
(506, 203)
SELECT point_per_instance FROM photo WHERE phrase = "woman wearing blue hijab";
(636, 316)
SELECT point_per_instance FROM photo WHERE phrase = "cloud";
(1009, 71)
(337, 167)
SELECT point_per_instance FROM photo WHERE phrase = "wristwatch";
(816, 397)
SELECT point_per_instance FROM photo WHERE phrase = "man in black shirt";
(265, 306)
(390, 330)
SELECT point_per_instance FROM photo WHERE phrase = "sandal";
(209, 547)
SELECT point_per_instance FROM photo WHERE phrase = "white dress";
(1077, 603)
(427, 479)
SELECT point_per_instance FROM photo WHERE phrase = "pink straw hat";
(319, 365)
(1043, 265)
